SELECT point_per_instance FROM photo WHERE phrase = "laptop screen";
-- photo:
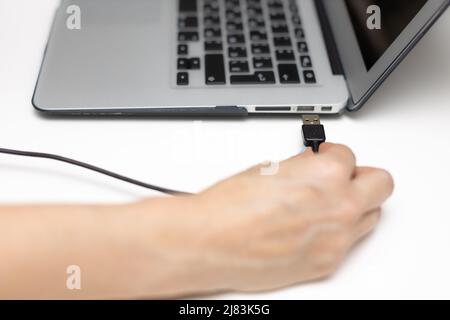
(394, 16)
(373, 36)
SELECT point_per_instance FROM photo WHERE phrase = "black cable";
(92, 168)
(315, 146)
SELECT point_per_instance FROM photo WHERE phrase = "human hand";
(264, 232)
(248, 233)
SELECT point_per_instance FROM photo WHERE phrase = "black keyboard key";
(188, 22)
(309, 76)
(282, 41)
(239, 66)
(233, 16)
(183, 64)
(214, 4)
(254, 12)
(233, 27)
(214, 69)
(302, 47)
(211, 21)
(237, 52)
(288, 73)
(232, 5)
(188, 64)
(293, 8)
(275, 5)
(211, 9)
(236, 39)
(187, 6)
(182, 78)
(260, 49)
(194, 63)
(263, 77)
(254, 4)
(213, 45)
(281, 28)
(277, 17)
(211, 13)
(256, 24)
(232, 8)
(299, 34)
(188, 36)
(258, 35)
(213, 33)
(285, 55)
(183, 49)
(305, 61)
(296, 20)
(262, 63)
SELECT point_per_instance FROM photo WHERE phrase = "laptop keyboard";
(243, 42)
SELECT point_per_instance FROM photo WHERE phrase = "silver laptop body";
(224, 57)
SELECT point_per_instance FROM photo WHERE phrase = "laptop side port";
(306, 108)
(273, 109)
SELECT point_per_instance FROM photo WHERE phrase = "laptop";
(225, 57)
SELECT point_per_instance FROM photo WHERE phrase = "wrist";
(171, 233)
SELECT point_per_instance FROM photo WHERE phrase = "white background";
(404, 128)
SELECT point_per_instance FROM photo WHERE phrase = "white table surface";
(407, 257)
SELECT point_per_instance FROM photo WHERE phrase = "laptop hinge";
(333, 54)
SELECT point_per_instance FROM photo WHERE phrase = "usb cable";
(313, 136)
(92, 168)
(313, 132)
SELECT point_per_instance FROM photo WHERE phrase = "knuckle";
(348, 151)
(330, 168)
(297, 197)
(349, 206)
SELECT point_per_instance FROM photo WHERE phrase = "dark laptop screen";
(395, 15)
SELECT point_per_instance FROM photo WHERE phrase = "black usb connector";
(313, 132)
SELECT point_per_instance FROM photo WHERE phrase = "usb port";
(306, 108)
(327, 109)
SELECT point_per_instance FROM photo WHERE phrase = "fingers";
(335, 167)
(334, 159)
(335, 164)
(372, 187)
(338, 152)
(366, 224)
